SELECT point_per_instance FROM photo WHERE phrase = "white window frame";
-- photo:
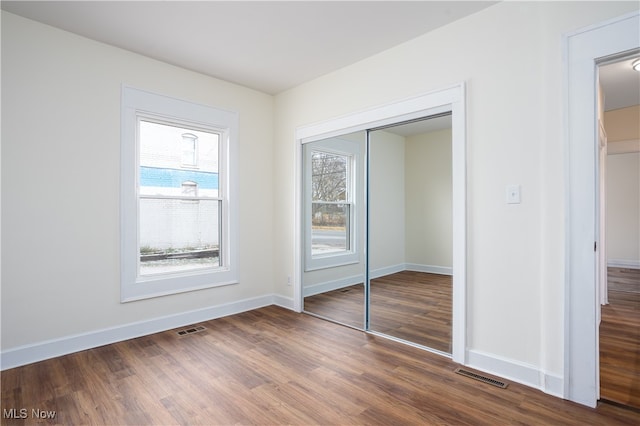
(351, 254)
(136, 104)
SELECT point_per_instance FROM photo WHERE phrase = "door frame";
(602, 214)
(583, 51)
(432, 103)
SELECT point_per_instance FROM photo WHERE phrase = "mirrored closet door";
(377, 230)
(410, 232)
(333, 221)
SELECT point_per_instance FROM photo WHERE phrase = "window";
(190, 190)
(177, 230)
(330, 203)
(189, 147)
(330, 208)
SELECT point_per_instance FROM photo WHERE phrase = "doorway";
(619, 230)
(350, 272)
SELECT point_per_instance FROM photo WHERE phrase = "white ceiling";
(269, 46)
(426, 125)
(272, 46)
(620, 84)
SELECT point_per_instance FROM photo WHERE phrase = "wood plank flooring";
(273, 366)
(620, 339)
(345, 305)
(413, 306)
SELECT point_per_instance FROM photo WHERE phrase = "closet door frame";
(451, 99)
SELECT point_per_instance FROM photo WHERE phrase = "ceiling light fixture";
(636, 65)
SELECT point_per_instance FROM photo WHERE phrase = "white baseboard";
(283, 302)
(56, 347)
(324, 287)
(623, 263)
(375, 273)
(512, 370)
(415, 267)
(516, 371)
(387, 270)
(431, 269)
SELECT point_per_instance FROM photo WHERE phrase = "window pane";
(329, 228)
(189, 149)
(166, 149)
(178, 235)
(328, 176)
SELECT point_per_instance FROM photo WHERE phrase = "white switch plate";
(513, 194)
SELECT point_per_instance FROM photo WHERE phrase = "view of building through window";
(179, 204)
(330, 207)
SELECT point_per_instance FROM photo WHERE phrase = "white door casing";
(583, 49)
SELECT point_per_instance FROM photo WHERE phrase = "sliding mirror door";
(396, 223)
(333, 222)
(410, 239)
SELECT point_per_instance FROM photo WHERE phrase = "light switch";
(513, 194)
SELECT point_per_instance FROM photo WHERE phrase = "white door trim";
(448, 99)
(583, 49)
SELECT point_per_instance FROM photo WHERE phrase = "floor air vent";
(483, 379)
(191, 330)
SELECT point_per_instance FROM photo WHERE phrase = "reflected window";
(331, 212)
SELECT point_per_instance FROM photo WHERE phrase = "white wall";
(510, 56)
(60, 100)
(623, 209)
(623, 186)
(60, 184)
(622, 124)
(410, 200)
(428, 175)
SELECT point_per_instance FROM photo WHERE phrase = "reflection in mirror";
(333, 221)
(410, 232)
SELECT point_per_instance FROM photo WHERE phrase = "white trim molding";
(624, 263)
(323, 287)
(326, 286)
(516, 371)
(28, 354)
(387, 270)
(414, 267)
(430, 269)
(583, 51)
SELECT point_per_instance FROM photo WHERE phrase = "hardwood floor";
(345, 305)
(413, 306)
(620, 339)
(273, 366)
